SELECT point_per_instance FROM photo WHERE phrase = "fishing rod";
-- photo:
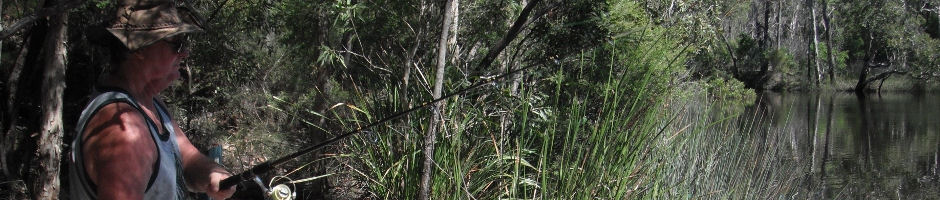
(269, 165)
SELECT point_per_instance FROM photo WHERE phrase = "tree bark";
(51, 130)
(828, 35)
(777, 19)
(765, 65)
(1, 45)
(452, 41)
(3, 118)
(794, 23)
(24, 22)
(431, 137)
(819, 73)
(809, 45)
(862, 85)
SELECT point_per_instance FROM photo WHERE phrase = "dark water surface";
(840, 146)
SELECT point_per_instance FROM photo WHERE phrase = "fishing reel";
(277, 192)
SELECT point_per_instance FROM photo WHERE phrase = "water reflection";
(806, 146)
(880, 146)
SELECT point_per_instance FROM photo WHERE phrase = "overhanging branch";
(510, 35)
(883, 76)
(30, 19)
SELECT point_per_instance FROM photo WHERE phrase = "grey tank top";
(166, 181)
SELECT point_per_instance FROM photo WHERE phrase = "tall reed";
(721, 154)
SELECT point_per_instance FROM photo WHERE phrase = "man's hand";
(215, 179)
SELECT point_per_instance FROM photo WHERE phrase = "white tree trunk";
(452, 41)
(828, 25)
(431, 137)
(819, 73)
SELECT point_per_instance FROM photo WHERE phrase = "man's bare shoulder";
(117, 141)
(119, 121)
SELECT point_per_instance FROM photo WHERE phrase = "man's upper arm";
(119, 152)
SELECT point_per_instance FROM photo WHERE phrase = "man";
(127, 146)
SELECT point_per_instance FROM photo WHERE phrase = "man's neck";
(135, 89)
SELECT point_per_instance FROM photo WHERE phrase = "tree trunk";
(862, 85)
(3, 116)
(763, 38)
(819, 73)
(777, 19)
(431, 137)
(51, 131)
(828, 41)
(809, 45)
(452, 41)
(1, 41)
(794, 23)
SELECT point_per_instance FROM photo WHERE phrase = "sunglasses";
(178, 43)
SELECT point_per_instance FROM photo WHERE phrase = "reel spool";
(285, 189)
(281, 192)
(277, 192)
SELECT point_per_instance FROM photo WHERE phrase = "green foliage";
(729, 89)
(782, 61)
(893, 33)
(651, 49)
(555, 138)
(750, 55)
(839, 58)
(575, 26)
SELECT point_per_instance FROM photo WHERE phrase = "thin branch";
(42, 13)
(510, 35)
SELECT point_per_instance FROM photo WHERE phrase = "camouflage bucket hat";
(143, 22)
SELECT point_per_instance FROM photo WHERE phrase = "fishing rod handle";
(238, 178)
(230, 181)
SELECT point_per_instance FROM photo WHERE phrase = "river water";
(880, 146)
(828, 145)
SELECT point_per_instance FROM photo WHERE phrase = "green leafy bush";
(729, 89)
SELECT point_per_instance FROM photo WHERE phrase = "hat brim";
(136, 39)
(140, 25)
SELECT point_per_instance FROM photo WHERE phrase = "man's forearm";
(198, 172)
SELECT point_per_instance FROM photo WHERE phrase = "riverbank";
(847, 84)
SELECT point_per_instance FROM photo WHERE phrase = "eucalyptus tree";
(889, 38)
